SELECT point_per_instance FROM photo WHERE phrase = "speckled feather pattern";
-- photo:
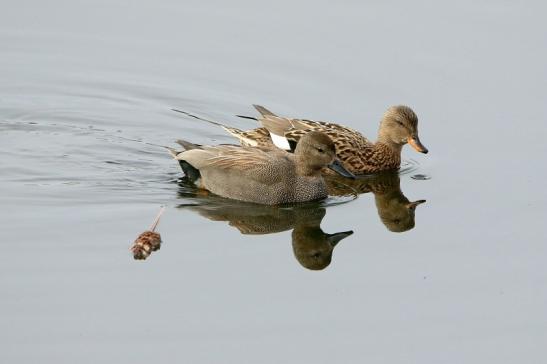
(261, 175)
(358, 154)
(251, 138)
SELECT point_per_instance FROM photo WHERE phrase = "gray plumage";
(262, 175)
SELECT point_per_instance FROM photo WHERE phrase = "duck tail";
(173, 152)
(247, 117)
(190, 171)
(241, 136)
(183, 143)
(199, 117)
(263, 111)
(187, 145)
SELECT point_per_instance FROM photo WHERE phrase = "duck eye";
(320, 150)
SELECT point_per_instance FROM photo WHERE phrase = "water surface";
(86, 94)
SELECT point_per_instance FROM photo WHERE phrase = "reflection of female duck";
(394, 209)
(312, 247)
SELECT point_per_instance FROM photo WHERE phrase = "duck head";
(313, 248)
(400, 126)
(316, 150)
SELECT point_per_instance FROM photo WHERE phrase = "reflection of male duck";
(312, 247)
(394, 209)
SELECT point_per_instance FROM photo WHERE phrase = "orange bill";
(416, 144)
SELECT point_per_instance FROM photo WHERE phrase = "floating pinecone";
(147, 242)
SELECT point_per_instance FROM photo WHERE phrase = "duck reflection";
(312, 247)
(396, 211)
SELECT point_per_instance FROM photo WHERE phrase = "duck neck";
(384, 141)
(303, 167)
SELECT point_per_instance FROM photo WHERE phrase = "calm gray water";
(86, 90)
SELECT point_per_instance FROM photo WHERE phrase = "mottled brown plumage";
(265, 175)
(399, 126)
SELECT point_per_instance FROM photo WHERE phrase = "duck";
(262, 175)
(359, 155)
(312, 247)
(395, 210)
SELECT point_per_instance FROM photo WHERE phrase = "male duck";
(263, 175)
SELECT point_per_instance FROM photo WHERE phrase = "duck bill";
(417, 144)
(337, 166)
(412, 205)
(335, 238)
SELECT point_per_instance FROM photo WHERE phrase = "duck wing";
(285, 134)
(258, 163)
(251, 138)
(333, 130)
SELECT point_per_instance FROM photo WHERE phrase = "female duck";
(268, 176)
(398, 127)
